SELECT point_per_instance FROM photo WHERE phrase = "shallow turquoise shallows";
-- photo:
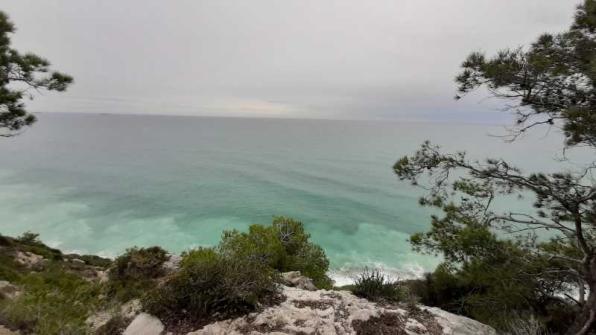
(102, 183)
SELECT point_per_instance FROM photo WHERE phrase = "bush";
(375, 286)
(139, 263)
(493, 294)
(29, 238)
(440, 288)
(135, 272)
(283, 246)
(211, 285)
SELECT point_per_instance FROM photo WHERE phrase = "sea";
(101, 183)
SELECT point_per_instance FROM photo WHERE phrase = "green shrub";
(492, 293)
(211, 284)
(283, 246)
(440, 288)
(10, 270)
(53, 302)
(375, 286)
(135, 272)
(139, 263)
(29, 238)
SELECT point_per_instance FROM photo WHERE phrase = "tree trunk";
(585, 322)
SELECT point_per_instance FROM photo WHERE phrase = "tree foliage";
(20, 75)
(549, 83)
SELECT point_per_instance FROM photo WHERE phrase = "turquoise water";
(102, 183)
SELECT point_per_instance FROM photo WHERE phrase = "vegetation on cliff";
(56, 293)
(495, 266)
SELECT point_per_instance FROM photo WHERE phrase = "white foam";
(347, 275)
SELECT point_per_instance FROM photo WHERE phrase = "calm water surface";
(102, 183)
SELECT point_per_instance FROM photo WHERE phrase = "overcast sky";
(347, 59)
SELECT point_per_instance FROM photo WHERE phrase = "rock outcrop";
(456, 324)
(8, 290)
(294, 279)
(29, 259)
(127, 311)
(144, 324)
(172, 264)
(340, 312)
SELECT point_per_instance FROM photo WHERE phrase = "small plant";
(376, 286)
(211, 285)
(526, 326)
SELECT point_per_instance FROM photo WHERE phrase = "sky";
(332, 59)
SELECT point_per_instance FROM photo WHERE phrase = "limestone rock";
(98, 319)
(6, 331)
(456, 324)
(78, 261)
(8, 290)
(102, 276)
(144, 324)
(295, 279)
(29, 259)
(340, 312)
(128, 311)
(172, 264)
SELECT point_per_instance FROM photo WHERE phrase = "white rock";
(98, 319)
(144, 324)
(459, 325)
(102, 276)
(8, 290)
(295, 279)
(172, 264)
(28, 259)
(333, 312)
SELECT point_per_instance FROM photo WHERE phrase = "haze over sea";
(101, 183)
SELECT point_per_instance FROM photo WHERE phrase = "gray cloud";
(392, 59)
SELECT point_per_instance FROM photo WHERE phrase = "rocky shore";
(301, 307)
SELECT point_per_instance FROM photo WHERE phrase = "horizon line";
(282, 118)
